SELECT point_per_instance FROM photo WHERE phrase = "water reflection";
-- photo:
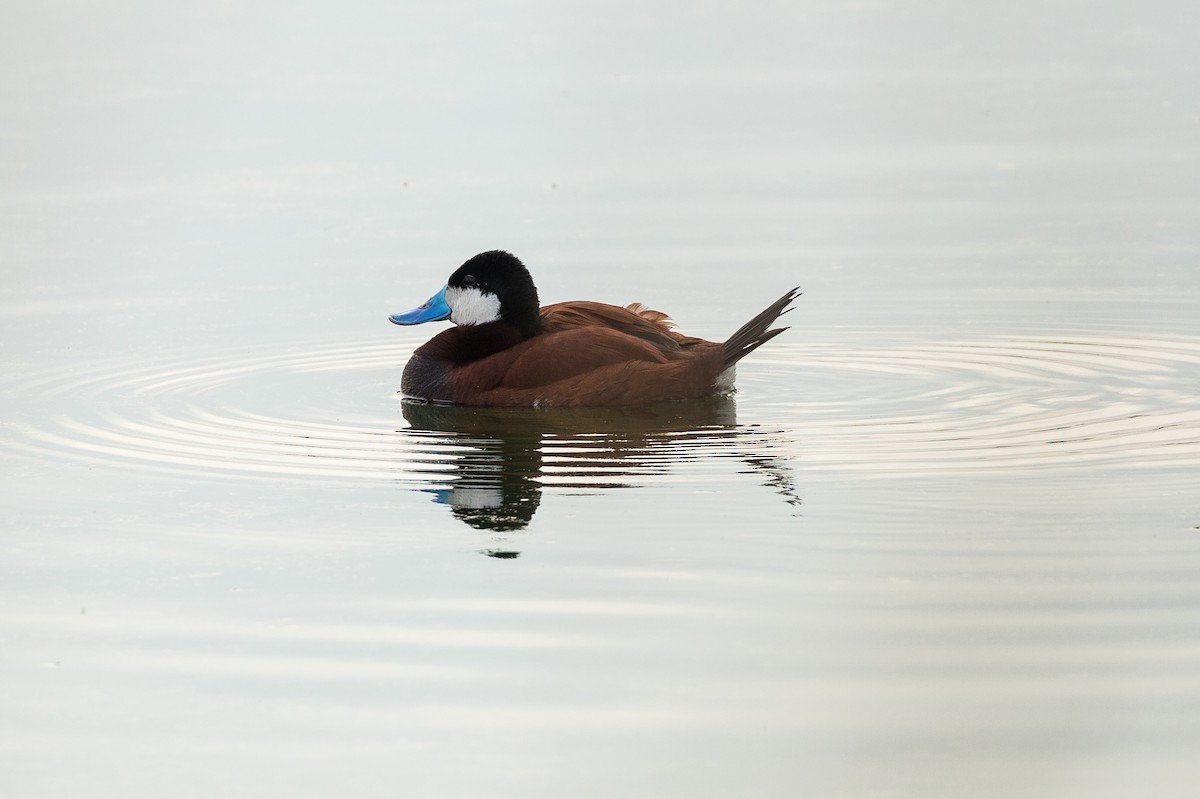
(496, 461)
(994, 404)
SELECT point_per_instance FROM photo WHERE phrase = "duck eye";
(469, 280)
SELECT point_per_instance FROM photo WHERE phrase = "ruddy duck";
(506, 351)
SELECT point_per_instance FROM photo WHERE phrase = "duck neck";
(527, 324)
(472, 342)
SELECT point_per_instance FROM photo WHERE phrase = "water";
(943, 541)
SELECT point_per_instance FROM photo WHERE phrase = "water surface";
(943, 541)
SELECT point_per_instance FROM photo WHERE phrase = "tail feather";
(754, 333)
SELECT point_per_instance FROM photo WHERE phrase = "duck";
(506, 350)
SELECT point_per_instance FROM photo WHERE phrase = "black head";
(493, 285)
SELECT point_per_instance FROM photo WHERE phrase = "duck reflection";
(489, 465)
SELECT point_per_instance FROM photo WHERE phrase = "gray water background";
(943, 542)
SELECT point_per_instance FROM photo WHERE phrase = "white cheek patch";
(470, 306)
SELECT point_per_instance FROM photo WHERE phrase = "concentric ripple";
(1005, 403)
(330, 413)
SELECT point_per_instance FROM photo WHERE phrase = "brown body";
(584, 354)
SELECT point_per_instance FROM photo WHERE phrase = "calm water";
(944, 541)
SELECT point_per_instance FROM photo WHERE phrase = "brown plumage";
(507, 352)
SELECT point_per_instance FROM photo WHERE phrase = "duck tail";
(754, 333)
